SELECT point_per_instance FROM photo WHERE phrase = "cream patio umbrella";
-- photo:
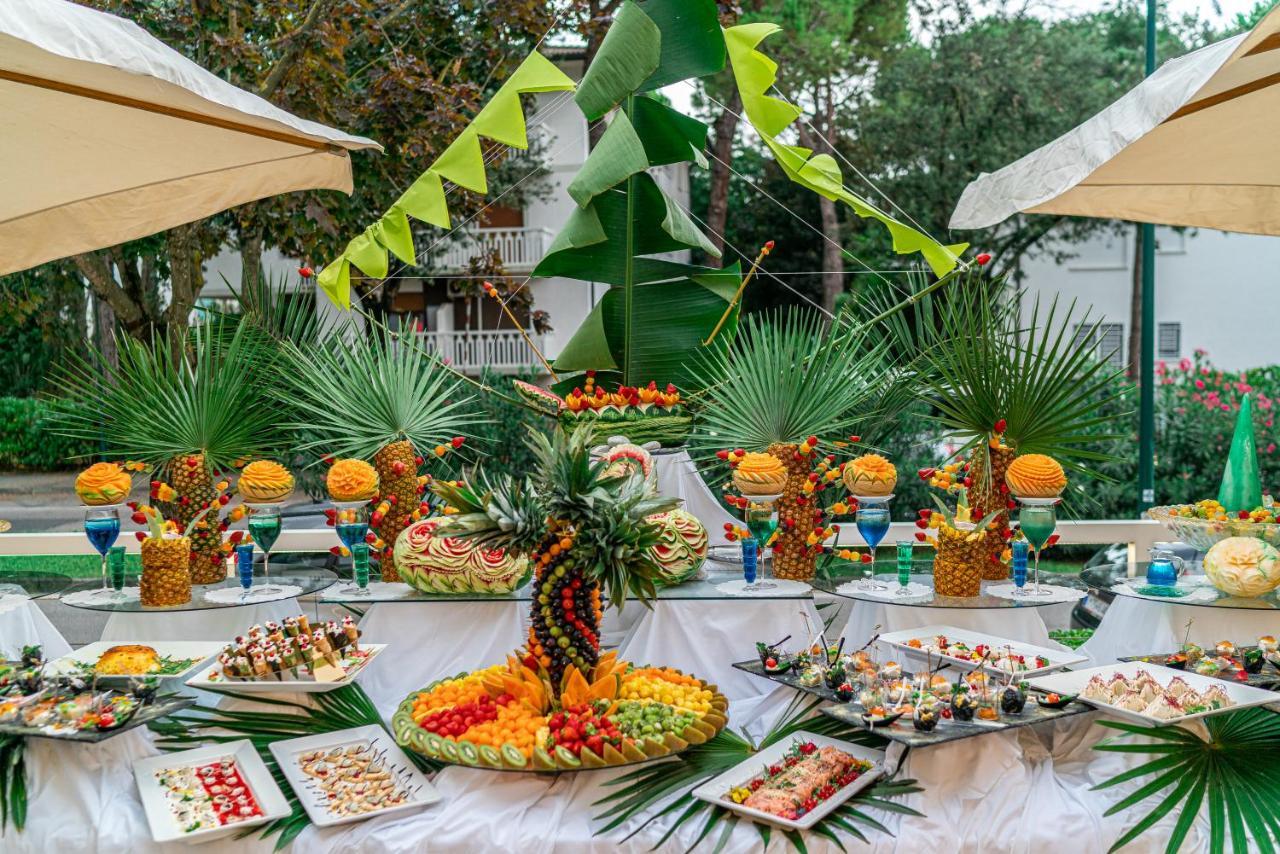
(107, 134)
(1196, 144)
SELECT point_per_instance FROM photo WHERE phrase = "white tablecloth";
(1022, 791)
(431, 640)
(22, 623)
(1142, 626)
(215, 624)
(1020, 624)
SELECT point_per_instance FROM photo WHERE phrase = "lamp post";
(1146, 370)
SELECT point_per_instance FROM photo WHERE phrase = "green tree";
(409, 74)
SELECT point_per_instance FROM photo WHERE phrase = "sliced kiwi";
(590, 759)
(674, 742)
(612, 756)
(707, 730)
(716, 720)
(489, 755)
(467, 753)
(431, 744)
(449, 750)
(692, 734)
(542, 761)
(653, 747)
(565, 758)
(513, 758)
(631, 752)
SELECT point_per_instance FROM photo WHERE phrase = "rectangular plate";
(287, 753)
(281, 686)
(1269, 677)
(164, 827)
(1057, 658)
(163, 705)
(1075, 681)
(89, 654)
(714, 790)
(902, 731)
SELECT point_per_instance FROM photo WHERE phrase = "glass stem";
(266, 567)
(104, 572)
(1036, 570)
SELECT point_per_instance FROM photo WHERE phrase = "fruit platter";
(290, 656)
(976, 650)
(1153, 696)
(69, 707)
(504, 718)
(1207, 522)
(351, 775)
(795, 782)
(207, 793)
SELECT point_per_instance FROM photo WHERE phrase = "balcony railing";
(519, 248)
(501, 350)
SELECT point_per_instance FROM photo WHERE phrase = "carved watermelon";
(682, 547)
(538, 397)
(436, 564)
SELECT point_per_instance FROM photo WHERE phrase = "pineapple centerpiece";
(185, 413)
(794, 390)
(382, 399)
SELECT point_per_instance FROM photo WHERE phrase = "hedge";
(26, 444)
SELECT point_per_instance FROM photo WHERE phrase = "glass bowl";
(1203, 533)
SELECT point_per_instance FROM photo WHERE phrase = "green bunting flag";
(1241, 482)
(755, 74)
(502, 120)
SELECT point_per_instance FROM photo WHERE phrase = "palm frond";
(640, 791)
(786, 378)
(13, 782)
(1235, 772)
(161, 402)
(353, 395)
(344, 708)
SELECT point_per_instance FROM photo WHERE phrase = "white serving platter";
(287, 754)
(164, 825)
(716, 790)
(204, 679)
(1074, 682)
(89, 654)
(1057, 658)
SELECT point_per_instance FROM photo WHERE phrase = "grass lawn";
(76, 566)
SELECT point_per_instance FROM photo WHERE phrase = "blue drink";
(749, 555)
(244, 566)
(1020, 549)
(352, 532)
(102, 532)
(872, 520)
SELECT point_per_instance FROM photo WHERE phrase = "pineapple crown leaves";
(506, 514)
(160, 402)
(785, 378)
(355, 395)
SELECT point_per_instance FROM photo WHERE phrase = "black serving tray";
(1268, 678)
(158, 708)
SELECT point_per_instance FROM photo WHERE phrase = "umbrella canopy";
(107, 135)
(1195, 144)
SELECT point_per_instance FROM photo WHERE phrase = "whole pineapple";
(192, 480)
(381, 398)
(166, 576)
(987, 493)
(961, 558)
(792, 556)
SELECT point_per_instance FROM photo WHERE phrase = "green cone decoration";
(1241, 483)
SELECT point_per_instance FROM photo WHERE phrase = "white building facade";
(1215, 291)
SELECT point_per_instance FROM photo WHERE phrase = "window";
(1107, 340)
(1169, 340)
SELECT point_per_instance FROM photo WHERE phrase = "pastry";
(265, 482)
(127, 660)
(352, 480)
(759, 474)
(870, 475)
(1035, 476)
(103, 484)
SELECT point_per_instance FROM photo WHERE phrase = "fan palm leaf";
(1234, 772)
(161, 402)
(353, 395)
(786, 378)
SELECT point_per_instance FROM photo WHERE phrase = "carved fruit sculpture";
(985, 494)
(397, 466)
(1035, 476)
(166, 573)
(1243, 566)
(102, 484)
(351, 480)
(265, 482)
(192, 481)
(435, 564)
(870, 475)
(793, 558)
(683, 546)
(760, 474)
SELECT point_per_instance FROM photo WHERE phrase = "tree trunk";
(96, 269)
(1135, 309)
(832, 256)
(105, 323)
(250, 259)
(725, 127)
(186, 278)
